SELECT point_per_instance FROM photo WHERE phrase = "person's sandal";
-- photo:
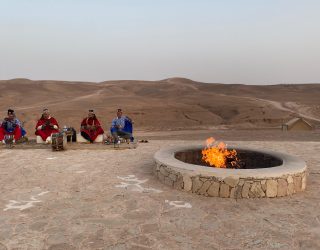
(144, 141)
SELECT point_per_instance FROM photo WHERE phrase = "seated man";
(90, 127)
(121, 126)
(11, 126)
(46, 126)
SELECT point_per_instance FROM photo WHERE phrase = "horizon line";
(163, 80)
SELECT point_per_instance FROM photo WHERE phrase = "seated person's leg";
(17, 133)
(124, 135)
(42, 134)
(128, 128)
(98, 132)
(114, 133)
(55, 131)
(1, 134)
(94, 137)
(86, 136)
(23, 132)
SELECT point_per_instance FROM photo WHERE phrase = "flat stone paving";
(87, 199)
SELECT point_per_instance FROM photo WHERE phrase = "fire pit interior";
(247, 159)
(245, 173)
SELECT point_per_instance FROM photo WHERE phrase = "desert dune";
(171, 104)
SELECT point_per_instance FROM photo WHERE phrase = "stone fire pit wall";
(287, 178)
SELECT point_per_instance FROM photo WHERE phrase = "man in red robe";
(90, 127)
(46, 126)
(10, 126)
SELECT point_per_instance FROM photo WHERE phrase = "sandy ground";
(231, 134)
(109, 199)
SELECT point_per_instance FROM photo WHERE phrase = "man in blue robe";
(121, 127)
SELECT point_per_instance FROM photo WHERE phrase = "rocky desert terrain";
(171, 104)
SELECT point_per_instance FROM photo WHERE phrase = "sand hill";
(174, 103)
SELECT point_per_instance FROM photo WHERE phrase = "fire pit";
(257, 174)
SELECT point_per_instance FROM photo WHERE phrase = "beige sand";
(74, 203)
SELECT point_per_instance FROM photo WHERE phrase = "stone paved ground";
(70, 200)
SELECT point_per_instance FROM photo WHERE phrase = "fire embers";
(217, 155)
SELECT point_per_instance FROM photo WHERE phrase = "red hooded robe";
(95, 131)
(47, 129)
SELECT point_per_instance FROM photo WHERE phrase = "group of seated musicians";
(47, 125)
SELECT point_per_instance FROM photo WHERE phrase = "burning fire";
(217, 155)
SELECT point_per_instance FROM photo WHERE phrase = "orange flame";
(210, 141)
(218, 155)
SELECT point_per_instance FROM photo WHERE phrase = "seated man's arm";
(53, 126)
(97, 124)
(122, 122)
(18, 123)
(54, 123)
(113, 123)
(40, 125)
(129, 119)
(3, 124)
(84, 124)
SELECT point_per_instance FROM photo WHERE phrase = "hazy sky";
(229, 41)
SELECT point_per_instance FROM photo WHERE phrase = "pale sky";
(227, 41)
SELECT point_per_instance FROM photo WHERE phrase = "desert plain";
(98, 197)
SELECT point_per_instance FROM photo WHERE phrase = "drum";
(59, 141)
